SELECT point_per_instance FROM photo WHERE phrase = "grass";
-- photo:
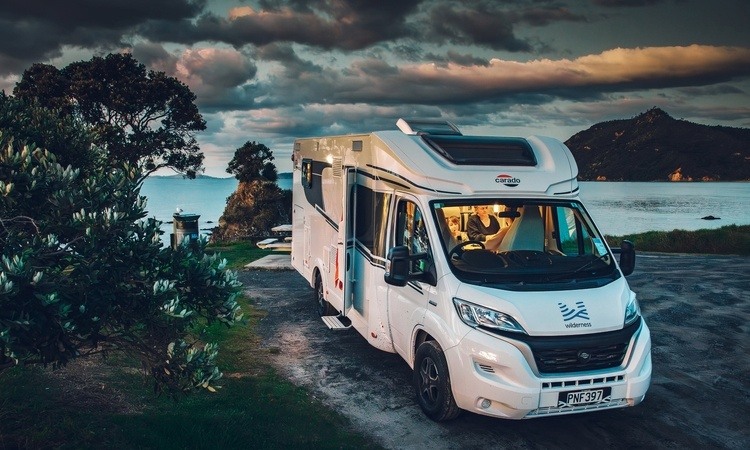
(109, 403)
(727, 240)
(240, 253)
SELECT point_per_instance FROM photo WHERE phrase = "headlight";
(477, 316)
(632, 311)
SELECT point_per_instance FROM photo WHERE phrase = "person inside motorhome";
(484, 227)
(454, 224)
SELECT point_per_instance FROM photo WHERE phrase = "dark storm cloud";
(100, 14)
(37, 30)
(452, 57)
(358, 24)
(721, 89)
(491, 24)
(626, 3)
(538, 16)
(156, 57)
(459, 25)
(347, 25)
(299, 81)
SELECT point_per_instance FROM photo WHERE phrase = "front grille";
(559, 360)
(563, 354)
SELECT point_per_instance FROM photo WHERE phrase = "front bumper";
(493, 376)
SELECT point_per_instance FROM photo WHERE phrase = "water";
(617, 208)
(204, 196)
(624, 208)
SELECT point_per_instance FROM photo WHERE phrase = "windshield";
(522, 241)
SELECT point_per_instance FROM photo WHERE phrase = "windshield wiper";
(580, 269)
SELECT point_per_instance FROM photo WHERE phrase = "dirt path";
(698, 309)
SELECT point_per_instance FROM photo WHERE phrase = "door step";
(337, 322)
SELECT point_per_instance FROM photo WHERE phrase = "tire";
(324, 308)
(433, 384)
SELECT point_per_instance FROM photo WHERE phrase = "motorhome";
(473, 258)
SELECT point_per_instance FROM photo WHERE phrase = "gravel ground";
(698, 309)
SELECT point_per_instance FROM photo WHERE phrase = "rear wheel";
(433, 384)
(324, 308)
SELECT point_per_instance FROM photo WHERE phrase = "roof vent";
(426, 126)
(483, 150)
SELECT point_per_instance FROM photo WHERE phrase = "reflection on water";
(623, 208)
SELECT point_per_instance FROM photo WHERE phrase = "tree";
(258, 204)
(45, 128)
(144, 118)
(252, 210)
(82, 272)
(253, 161)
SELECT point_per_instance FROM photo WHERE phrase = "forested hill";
(654, 146)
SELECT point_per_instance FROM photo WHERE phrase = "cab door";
(407, 304)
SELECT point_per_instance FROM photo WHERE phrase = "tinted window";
(412, 233)
(371, 216)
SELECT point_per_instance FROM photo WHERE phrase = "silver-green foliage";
(83, 271)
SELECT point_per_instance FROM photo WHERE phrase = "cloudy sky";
(273, 70)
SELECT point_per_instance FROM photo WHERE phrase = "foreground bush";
(82, 272)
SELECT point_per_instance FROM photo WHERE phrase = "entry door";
(346, 245)
(406, 305)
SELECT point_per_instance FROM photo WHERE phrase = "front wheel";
(324, 308)
(433, 384)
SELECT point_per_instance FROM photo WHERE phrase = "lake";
(627, 207)
(204, 196)
(617, 207)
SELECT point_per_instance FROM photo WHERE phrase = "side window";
(411, 232)
(372, 216)
(574, 237)
(307, 173)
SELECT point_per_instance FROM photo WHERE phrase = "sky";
(271, 71)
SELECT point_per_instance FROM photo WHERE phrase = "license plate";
(587, 397)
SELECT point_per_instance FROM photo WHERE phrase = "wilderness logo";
(507, 180)
(579, 311)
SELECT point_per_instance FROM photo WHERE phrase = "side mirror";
(627, 257)
(397, 266)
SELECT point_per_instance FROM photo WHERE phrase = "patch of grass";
(727, 240)
(109, 404)
(250, 411)
(239, 253)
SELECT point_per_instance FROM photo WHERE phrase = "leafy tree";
(43, 127)
(252, 210)
(82, 272)
(253, 161)
(258, 204)
(144, 118)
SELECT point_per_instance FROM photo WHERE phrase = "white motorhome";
(527, 315)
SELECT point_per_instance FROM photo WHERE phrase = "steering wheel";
(458, 250)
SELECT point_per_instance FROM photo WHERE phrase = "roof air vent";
(426, 126)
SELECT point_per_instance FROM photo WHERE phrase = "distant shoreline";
(727, 240)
